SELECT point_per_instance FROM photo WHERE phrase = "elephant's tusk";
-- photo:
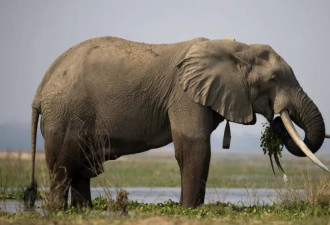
(327, 136)
(293, 133)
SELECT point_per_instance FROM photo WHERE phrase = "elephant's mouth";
(270, 116)
(290, 130)
(264, 106)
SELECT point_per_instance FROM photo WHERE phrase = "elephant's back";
(100, 58)
(100, 61)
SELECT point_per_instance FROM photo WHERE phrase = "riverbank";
(228, 169)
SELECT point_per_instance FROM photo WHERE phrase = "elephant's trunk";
(308, 118)
(295, 136)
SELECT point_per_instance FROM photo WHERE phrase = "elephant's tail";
(30, 192)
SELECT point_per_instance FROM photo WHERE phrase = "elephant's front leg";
(191, 126)
(193, 156)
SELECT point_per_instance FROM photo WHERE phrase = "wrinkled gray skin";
(108, 97)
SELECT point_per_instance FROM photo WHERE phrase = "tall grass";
(313, 190)
(156, 170)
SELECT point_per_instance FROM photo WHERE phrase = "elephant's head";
(239, 80)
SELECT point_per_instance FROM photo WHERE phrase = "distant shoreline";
(20, 155)
(169, 153)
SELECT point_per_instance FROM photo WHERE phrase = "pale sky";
(33, 33)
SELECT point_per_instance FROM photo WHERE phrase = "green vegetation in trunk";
(272, 145)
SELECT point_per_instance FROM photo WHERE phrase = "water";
(238, 196)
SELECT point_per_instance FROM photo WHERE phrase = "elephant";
(108, 97)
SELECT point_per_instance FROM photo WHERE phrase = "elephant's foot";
(58, 195)
(81, 193)
(193, 184)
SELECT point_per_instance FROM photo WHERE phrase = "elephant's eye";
(274, 77)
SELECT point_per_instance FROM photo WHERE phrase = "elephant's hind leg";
(64, 159)
(59, 189)
(58, 173)
(80, 192)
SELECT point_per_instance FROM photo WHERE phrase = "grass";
(161, 170)
(109, 212)
(156, 170)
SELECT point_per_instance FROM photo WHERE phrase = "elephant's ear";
(213, 76)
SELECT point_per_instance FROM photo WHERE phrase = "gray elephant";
(108, 97)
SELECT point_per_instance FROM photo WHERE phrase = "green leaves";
(271, 144)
